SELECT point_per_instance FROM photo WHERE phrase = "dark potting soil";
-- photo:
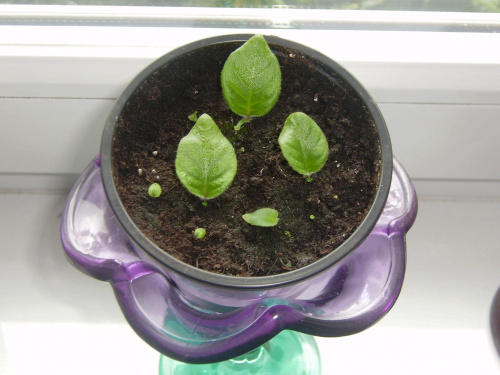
(314, 217)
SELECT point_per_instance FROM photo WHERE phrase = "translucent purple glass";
(198, 322)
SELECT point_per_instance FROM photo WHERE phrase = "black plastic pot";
(248, 283)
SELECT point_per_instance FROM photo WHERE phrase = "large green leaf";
(303, 144)
(251, 78)
(206, 161)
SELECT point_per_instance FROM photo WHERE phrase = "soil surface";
(339, 196)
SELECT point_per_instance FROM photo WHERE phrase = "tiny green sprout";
(303, 144)
(204, 203)
(206, 161)
(288, 234)
(193, 116)
(200, 233)
(263, 217)
(154, 190)
(312, 217)
(251, 79)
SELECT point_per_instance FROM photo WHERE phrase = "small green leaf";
(200, 233)
(263, 217)
(303, 144)
(251, 78)
(206, 160)
(154, 190)
(193, 116)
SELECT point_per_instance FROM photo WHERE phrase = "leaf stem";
(240, 123)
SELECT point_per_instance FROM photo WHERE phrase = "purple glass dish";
(201, 322)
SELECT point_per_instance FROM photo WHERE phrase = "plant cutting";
(251, 80)
(205, 162)
(263, 217)
(270, 219)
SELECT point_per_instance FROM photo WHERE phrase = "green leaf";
(193, 116)
(263, 217)
(303, 144)
(251, 78)
(206, 160)
(154, 190)
(200, 233)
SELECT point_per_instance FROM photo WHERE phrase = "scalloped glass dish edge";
(346, 299)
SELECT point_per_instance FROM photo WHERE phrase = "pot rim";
(256, 282)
